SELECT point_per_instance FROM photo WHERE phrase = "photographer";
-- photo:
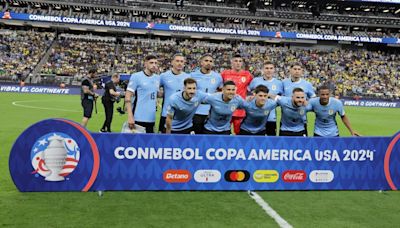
(88, 96)
(109, 97)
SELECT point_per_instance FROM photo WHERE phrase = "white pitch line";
(16, 103)
(271, 212)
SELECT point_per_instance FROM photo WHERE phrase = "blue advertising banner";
(184, 28)
(372, 103)
(39, 89)
(60, 155)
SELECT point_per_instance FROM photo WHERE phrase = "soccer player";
(257, 112)
(108, 99)
(172, 82)
(293, 114)
(88, 97)
(182, 107)
(223, 105)
(242, 78)
(143, 86)
(325, 108)
(208, 81)
(296, 81)
(274, 86)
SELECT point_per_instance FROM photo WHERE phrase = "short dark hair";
(323, 87)
(149, 57)
(206, 55)
(298, 90)
(177, 55)
(269, 63)
(189, 81)
(296, 64)
(261, 88)
(229, 83)
(92, 71)
(237, 55)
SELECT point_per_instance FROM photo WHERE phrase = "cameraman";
(88, 96)
(110, 95)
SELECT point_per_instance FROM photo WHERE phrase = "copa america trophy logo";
(54, 156)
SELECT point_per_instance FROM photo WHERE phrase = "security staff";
(108, 99)
(88, 96)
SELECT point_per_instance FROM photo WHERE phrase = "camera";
(123, 85)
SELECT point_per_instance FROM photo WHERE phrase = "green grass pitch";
(182, 209)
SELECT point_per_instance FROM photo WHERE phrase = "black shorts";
(87, 108)
(293, 133)
(198, 123)
(161, 125)
(317, 135)
(270, 128)
(183, 132)
(149, 126)
(244, 132)
(207, 132)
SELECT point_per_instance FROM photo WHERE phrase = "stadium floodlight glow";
(329, 7)
(57, 7)
(253, 22)
(236, 20)
(301, 6)
(219, 0)
(397, 11)
(183, 16)
(267, 3)
(271, 23)
(37, 5)
(385, 11)
(322, 26)
(367, 10)
(288, 24)
(378, 29)
(97, 10)
(356, 28)
(78, 9)
(348, 8)
(339, 27)
(283, 4)
(116, 12)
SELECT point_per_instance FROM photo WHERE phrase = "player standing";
(242, 78)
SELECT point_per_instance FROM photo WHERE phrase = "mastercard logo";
(237, 176)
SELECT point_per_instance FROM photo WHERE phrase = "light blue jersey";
(256, 117)
(288, 87)
(292, 118)
(221, 112)
(145, 89)
(183, 110)
(274, 86)
(207, 83)
(171, 83)
(325, 116)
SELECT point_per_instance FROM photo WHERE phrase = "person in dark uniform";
(108, 99)
(88, 96)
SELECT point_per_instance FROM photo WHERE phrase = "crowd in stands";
(130, 16)
(351, 72)
(72, 55)
(20, 52)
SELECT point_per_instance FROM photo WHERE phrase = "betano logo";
(54, 156)
(176, 176)
(321, 176)
(237, 176)
(294, 176)
(266, 176)
(207, 176)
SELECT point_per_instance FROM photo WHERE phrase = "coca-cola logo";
(294, 176)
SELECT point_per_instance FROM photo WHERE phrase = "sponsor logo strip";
(266, 176)
(176, 176)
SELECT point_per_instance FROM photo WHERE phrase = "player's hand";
(250, 98)
(305, 103)
(95, 95)
(354, 133)
(131, 123)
